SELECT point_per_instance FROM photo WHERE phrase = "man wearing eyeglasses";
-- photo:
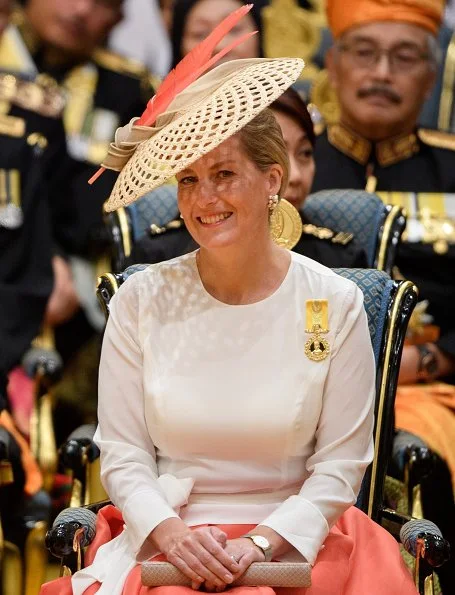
(382, 68)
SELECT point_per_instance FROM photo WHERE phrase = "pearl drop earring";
(273, 202)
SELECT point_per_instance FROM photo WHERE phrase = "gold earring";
(285, 224)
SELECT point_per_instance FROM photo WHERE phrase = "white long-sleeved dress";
(213, 412)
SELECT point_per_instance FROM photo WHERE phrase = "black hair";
(291, 104)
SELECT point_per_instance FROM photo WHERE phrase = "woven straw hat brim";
(203, 116)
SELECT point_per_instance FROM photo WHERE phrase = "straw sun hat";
(207, 112)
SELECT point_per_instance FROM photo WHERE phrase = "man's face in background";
(76, 27)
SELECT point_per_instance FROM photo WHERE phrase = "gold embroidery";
(81, 85)
(324, 233)
(388, 152)
(11, 216)
(120, 64)
(171, 226)
(448, 84)
(342, 237)
(37, 139)
(349, 143)
(12, 126)
(3, 191)
(371, 184)
(15, 187)
(436, 138)
(45, 100)
(325, 98)
(429, 219)
(290, 30)
(396, 149)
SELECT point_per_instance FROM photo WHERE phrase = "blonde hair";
(263, 143)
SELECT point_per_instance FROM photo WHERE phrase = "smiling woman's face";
(300, 152)
(223, 197)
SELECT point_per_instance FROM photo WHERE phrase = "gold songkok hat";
(192, 113)
(344, 14)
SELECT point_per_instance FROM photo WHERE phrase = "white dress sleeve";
(128, 462)
(343, 441)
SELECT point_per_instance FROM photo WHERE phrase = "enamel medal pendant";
(317, 323)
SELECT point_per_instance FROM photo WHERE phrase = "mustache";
(380, 90)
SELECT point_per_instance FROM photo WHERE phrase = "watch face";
(261, 541)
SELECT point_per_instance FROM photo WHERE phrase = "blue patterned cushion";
(134, 268)
(376, 287)
(158, 207)
(354, 211)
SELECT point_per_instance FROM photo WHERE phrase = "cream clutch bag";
(270, 574)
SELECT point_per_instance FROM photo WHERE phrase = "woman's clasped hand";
(205, 555)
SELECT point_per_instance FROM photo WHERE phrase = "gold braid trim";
(436, 138)
(45, 100)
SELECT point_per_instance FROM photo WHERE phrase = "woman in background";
(194, 20)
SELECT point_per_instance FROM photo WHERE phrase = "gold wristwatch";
(263, 544)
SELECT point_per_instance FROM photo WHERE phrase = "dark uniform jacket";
(177, 241)
(31, 136)
(413, 166)
(102, 94)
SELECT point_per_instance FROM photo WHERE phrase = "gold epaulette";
(12, 126)
(436, 138)
(175, 224)
(317, 118)
(46, 100)
(324, 233)
(119, 64)
(319, 128)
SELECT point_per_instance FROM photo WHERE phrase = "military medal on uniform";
(11, 216)
(317, 323)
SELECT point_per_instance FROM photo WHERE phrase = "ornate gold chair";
(389, 305)
(27, 515)
(44, 366)
(23, 526)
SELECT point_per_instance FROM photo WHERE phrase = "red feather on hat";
(198, 61)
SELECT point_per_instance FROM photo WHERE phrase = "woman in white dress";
(237, 381)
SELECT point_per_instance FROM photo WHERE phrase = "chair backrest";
(388, 305)
(376, 227)
(128, 225)
(108, 285)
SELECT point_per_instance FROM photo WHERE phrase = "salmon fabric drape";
(358, 557)
(428, 411)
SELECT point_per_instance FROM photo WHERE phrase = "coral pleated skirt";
(358, 558)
